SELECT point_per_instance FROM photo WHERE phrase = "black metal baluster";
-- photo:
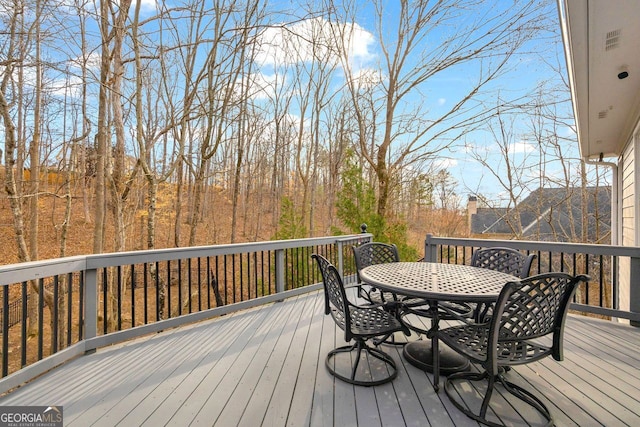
(260, 273)
(233, 284)
(168, 315)
(5, 330)
(179, 287)
(253, 278)
(586, 271)
(157, 280)
(601, 284)
(189, 283)
(614, 285)
(133, 295)
(199, 284)
(55, 313)
(104, 300)
(119, 295)
(40, 317)
(242, 284)
(145, 292)
(269, 267)
(81, 315)
(69, 307)
(23, 325)
(209, 282)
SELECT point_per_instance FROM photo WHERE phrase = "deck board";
(265, 366)
(322, 409)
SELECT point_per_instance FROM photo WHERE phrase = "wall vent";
(602, 114)
(613, 40)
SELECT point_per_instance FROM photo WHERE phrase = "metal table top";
(437, 281)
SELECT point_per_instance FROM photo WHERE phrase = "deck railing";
(608, 266)
(53, 310)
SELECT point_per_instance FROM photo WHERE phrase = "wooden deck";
(265, 366)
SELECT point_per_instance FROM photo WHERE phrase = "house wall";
(629, 229)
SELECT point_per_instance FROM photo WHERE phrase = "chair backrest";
(534, 307)
(373, 253)
(505, 260)
(335, 298)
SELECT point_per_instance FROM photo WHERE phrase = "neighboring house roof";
(490, 220)
(553, 214)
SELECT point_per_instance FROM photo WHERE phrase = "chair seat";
(472, 340)
(368, 321)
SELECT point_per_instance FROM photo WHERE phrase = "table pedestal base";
(418, 353)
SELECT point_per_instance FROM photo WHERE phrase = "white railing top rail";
(20, 272)
(590, 248)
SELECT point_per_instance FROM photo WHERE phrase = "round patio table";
(436, 282)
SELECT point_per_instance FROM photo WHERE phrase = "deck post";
(634, 288)
(430, 250)
(340, 265)
(280, 274)
(90, 306)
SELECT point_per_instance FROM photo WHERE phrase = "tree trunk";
(102, 136)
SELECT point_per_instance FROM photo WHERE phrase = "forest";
(134, 125)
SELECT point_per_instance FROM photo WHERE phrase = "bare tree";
(11, 135)
(24, 114)
(509, 161)
(417, 46)
(220, 76)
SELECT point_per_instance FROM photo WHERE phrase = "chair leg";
(388, 364)
(527, 397)
(513, 389)
(357, 361)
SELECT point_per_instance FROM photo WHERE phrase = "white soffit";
(602, 40)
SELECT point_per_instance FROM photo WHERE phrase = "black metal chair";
(373, 253)
(525, 311)
(359, 324)
(505, 260)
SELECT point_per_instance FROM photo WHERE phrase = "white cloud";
(262, 86)
(470, 147)
(359, 43)
(444, 163)
(148, 4)
(368, 77)
(294, 43)
(93, 61)
(71, 87)
(521, 147)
